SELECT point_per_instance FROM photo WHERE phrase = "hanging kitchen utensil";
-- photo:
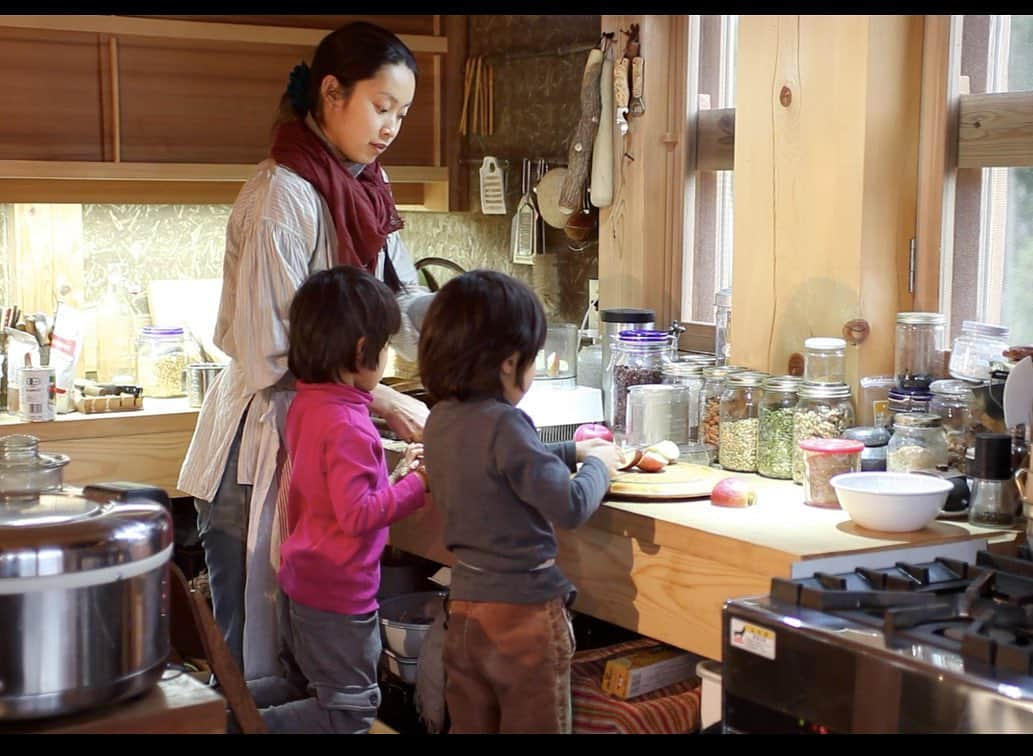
(637, 106)
(602, 149)
(1018, 394)
(539, 224)
(580, 153)
(579, 225)
(522, 232)
(548, 193)
(621, 96)
(493, 197)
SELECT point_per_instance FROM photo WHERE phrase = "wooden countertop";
(178, 704)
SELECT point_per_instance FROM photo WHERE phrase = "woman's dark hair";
(353, 53)
(331, 310)
(474, 323)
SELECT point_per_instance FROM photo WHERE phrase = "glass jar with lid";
(823, 410)
(710, 403)
(875, 439)
(824, 459)
(161, 361)
(637, 357)
(775, 435)
(722, 325)
(824, 360)
(687, 373)
(918, 349)
(978, 345)
(740, 421)
(906, 400)
(952, 401)
(918, 443)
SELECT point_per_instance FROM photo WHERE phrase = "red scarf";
(362, 206)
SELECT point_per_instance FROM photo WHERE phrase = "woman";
(319, 200)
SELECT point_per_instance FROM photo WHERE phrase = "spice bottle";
(823, 410)
(990, 471)
(161, 361)
(710, 403)
(775, 437)
(918, 443)
(740, 423)
(823, 459)
(638, 357)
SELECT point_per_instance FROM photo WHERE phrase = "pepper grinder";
(991, 502)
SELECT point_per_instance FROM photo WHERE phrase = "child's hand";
(411, 459)
(606, 451)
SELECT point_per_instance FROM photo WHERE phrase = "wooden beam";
(715, 140)
(199, 30)
(996, 129)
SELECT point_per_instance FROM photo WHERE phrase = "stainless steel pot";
(84, 600)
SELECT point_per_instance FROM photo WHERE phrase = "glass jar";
(740, 423)
(638, 357)
(710, 404)
(952, 401)
(687, 373)
(775, 436)
(975, 348)
(906, 400)
(823, 410)
(824, 360)
(722, 326)
(161, 361)
(875, 439)
(823, 459)
(918, 349)
(872, 404)
(918, 443)
(657, 412)
(590, 361)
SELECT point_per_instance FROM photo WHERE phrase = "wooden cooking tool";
(677, 481)
(579, 155)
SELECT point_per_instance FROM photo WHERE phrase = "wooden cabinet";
(158, 109)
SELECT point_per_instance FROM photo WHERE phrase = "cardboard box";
(647, 670)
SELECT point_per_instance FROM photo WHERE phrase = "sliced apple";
(666, 449)
(631, 458)
(651, 461)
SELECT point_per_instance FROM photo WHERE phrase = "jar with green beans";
(710, 404)
(740, 405)
(823, 410)
(775, 434)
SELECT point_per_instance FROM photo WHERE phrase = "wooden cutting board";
(677, 481)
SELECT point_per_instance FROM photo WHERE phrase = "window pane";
(1017, 300)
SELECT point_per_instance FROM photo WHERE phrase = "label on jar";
(37, 390)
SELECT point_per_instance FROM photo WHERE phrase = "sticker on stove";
(753, 638)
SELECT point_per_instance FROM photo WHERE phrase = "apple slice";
(651, 462)
(631, 458)
(666, 449)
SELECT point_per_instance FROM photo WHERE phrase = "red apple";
(592, 430)
(733, 492)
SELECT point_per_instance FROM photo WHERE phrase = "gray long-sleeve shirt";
(503, 491)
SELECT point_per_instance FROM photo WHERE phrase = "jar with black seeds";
(637, 358)
(740, 405)
(823, 410)
(775, 435)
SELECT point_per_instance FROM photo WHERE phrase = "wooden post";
(826, 130)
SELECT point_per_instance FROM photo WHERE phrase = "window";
(987, 265)
(707, 265)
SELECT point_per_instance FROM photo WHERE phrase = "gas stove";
(938, 646)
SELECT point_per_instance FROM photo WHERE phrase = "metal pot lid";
(63, 533)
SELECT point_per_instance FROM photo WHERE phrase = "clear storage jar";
(823, 410)
(952, 401)
(918, 349)
(657, 412)
(710, 404)
(906, 400)
(824, 360)
(918, 443)
(637, 357)
(161, 361)
(723, 325)
(687, 373)
(872, 403)
(978, 345)
(775, 435)
(823, 459)
(740, 421)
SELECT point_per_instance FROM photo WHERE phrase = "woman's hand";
(405, 415)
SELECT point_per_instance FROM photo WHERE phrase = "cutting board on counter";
(677, 481)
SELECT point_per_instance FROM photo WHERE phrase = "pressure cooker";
(84, 577)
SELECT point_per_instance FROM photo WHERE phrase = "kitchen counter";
(665, 568)
(142, 446)
(178, 704)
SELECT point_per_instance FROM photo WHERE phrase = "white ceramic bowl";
(892, 502)
(405, 620)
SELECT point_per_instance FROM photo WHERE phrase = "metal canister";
(200, 376)
(37, 392)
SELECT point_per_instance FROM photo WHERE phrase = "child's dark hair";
(330, 312)
(352, 53)
(474, 323)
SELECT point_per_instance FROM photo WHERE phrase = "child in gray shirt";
(508, 642)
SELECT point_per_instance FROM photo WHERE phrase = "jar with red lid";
(823, 459)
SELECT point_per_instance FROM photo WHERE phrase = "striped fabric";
(670, 710)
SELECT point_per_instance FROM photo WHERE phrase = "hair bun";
(297, 87)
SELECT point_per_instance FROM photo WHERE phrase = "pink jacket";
(340, 502)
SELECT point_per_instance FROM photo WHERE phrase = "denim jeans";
(222, 526)
(507, 667)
